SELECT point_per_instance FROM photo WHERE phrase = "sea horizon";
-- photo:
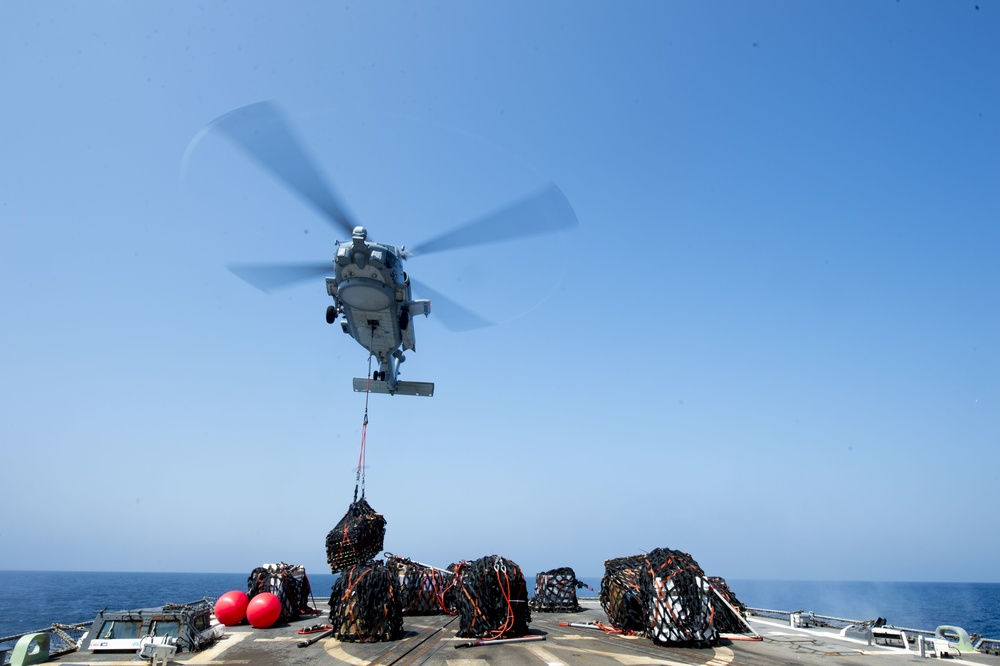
(34, 599)
(527, 576)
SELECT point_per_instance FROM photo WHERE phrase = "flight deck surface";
(432, 640)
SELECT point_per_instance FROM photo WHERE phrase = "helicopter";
(372, 293)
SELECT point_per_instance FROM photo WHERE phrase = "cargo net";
(730, 617)
(421, 586)
(620, 596)
(490, 597)
(364, 604)
(289, 583)
(663, 595)
(357, 538)
(555, 591)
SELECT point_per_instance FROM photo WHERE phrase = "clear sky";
(773, 341)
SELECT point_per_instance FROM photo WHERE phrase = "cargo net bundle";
(365, 604)
(730, 617)
(421, 586)
(663, 595)
(490, 597)
(357, 538)
(289, 583)
(620, 596)
(555, 591)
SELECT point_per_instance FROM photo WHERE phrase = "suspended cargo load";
(490, 597)
(663, 595)
(365, 604)
(357, 538)
(421, 586)
(555, 591)
(289, 583)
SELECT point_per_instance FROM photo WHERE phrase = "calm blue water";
(34, 599)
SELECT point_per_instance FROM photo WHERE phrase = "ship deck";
(432, 640)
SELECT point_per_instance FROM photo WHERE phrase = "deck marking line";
(574, 637)
(723, 657)
(631, 658)
(546, 656)
(467, 662)
(337, 652)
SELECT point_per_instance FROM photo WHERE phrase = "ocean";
(32, 600)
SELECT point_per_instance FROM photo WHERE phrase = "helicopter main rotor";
(264, 134)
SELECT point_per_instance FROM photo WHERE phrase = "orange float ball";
(264, 610)
(231, 607)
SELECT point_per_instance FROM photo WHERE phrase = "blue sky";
(771, 342)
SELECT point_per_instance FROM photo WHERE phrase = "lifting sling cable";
(359, 475)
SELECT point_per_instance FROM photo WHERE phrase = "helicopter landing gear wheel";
(404, 319)
(331, 314)
(378, 376)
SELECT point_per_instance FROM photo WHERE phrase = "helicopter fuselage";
(372, 292)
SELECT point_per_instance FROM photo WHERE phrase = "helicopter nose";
(365, 294)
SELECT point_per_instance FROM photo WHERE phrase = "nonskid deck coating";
(431, 640)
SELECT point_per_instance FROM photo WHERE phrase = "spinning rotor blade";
(272, 276)
(263, 132)
(452, 315)
(539, 213)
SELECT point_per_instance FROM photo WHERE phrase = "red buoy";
(231, 608)
(264, 610)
